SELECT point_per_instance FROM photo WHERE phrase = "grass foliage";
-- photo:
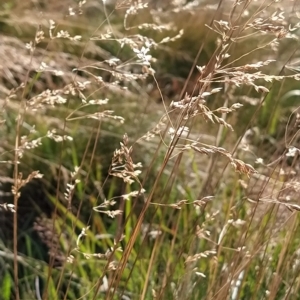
(149, 149)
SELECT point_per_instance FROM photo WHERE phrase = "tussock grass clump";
(150, 152)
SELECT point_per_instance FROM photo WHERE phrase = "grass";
(150, 152)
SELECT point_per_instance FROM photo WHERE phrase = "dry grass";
(194, 197)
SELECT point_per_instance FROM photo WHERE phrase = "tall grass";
(150, 150)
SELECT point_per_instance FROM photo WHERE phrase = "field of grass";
(149, 149)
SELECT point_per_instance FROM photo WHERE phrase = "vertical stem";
(16, 197)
